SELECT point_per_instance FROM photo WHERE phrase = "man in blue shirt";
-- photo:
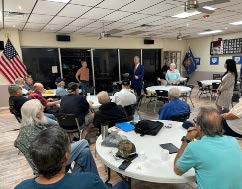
(175, 106)
(50, 150)
(60, 91)
(216, 158)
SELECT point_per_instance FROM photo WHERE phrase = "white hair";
(32, 114)
(103, 97)
(173, 64)
(18, 80)
(174, 92)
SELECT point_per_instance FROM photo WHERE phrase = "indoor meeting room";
(121, 94)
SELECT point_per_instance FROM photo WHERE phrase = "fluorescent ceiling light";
(60, 1)
(209, 8)
(186, 14)
(236, 23)
(210, 32)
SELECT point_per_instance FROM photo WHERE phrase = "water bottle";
(136, 118)
(104, 130)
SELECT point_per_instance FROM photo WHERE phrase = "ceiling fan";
(181, 37)
(194, 5)
(110, 33)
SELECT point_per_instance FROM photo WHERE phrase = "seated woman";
(33, 122)
(173, 75)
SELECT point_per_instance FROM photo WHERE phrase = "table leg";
(129, 182)
(109, 175)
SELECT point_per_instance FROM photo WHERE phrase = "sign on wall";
(197, 60)
(237, 59)
(214, 60)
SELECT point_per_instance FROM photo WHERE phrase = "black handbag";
(147, 127)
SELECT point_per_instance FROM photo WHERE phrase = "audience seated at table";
(216, 158)
(109, 112)
(164, 70)
(73, 103)
(175, 106)
(60, 91)
(232, 123)
(125, 97)
(33, 122)
(20, 81)
(28, 85)
(172, 75)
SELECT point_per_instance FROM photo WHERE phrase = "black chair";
(162, 96)
(202, 89)
(216, 76)
(130, 111)
(70, 124)
(214, 88)
(14, 111)
(181, 117)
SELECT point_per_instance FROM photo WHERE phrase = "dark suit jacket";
(136, 83)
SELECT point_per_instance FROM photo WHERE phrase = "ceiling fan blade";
(185, 36)
(214, 2)
(203, 10)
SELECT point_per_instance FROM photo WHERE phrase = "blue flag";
(189, 62)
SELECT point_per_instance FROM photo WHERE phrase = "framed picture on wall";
(197, 60)
(237, 59)
(214, 60)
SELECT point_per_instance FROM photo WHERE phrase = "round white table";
(209, 82)
(183, 89)
(182, 79)
(151, 168)
(94, 99)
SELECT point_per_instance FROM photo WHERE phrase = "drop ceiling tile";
(96, 13)
(20, 18)
(171, 12)
(117, 15)
(148, 20)
(24, 6)
(89, 30)
(13, 24)
(61, 20)
(158, 8)
(134, 17)
(34, 26)
(52, 27)
(114, 4)
(36, 18)
(68, 29)
(80, 22)
(48, 7)
(74, 10)
(86, 2)
(139, 5)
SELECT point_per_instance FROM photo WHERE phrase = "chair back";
(215, 86)
(200, 85)
(181, 117)
(162, 94)
(68, 122)
(216, 76)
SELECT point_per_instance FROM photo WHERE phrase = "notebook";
(125, 126)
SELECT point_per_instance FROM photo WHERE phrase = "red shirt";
(38, 96)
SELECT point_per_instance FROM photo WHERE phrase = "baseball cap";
(58, 80)
(72, 86)
(13, 88)
(126, 82)
(125, 148)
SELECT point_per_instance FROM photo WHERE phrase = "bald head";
(103, 97)
(38, 87)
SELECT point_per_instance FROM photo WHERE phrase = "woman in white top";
(173, 75)
(226, 88)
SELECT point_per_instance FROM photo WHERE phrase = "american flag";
(11, 65)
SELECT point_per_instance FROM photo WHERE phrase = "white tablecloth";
(209, 82)
(182, 79)
(152, 168)
(152, 89)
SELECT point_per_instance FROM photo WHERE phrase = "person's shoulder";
(29, 183)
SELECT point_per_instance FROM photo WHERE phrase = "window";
(41, 63)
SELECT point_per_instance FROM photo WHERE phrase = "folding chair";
(162, 96)
(202, 89)
(214, 88)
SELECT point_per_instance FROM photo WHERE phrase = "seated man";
(232, 123)
(108, 111)
(20, 81)
(16, 100)
(28, 83)
(217, 159)
(33, 122)
(76, 104)
(60, 91)
(175, 106)
(125, 97)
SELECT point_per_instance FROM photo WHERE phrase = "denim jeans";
(84, 87)
(51, 120)
(81, 155)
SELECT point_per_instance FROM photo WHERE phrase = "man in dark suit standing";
(136, 75)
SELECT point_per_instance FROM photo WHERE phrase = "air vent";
(14, 14)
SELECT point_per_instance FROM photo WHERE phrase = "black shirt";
(75, 104)
(163, 71)
(109, 112)
(15, 104)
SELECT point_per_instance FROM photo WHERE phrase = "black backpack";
(147, 127)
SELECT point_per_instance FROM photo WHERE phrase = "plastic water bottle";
(136, 118)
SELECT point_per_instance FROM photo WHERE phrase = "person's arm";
(184, 159)
(167, 78)
(53, 103)
(229, 116)
(164, 113)
(78, 73)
